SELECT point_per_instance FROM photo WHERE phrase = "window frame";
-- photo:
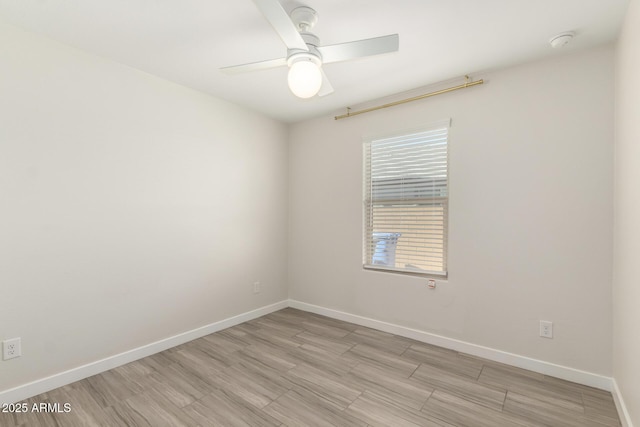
(367, 202)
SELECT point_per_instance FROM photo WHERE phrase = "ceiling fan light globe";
(305, 78)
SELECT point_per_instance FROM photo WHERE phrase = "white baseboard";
(625, 418)
(34, 388)
(58, 380)
(546, 368)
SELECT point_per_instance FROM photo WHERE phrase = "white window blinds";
(406, 201)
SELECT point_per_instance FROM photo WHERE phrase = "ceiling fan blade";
(280, 21)
(358, 49)
(255, 66)
(326, 87)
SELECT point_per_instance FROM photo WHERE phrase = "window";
(406, 200)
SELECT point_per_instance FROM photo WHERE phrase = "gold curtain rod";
(415, 98)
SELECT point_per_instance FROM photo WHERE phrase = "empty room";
(319, 213)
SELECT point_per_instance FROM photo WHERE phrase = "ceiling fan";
(305, 56)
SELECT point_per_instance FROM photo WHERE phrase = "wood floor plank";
(158, 411)
(263, 372)
(464, 413)
(157, 361)
(299, 407)
(527, 385)
(316, 318)
(275, 338)
(376, 411)
(269, 355)
(184, 380)
(296, 368)
(378, 339)
(84, 408)
(135, 371)
(48, 419)
(111, 387)
(273, 326)
(323, 359)
(220, 408)
(603, 420)
(333, 345)
(489, 396)
(198, 363)
(213, 351)
(290, 317)
(335, 389)
(238, 335)
(8, 419)
(448, 360)
(545, 412)
(255, 389)
(177, 391)
(123, 415)
(519, 372)
(401, 390)
(600, 404)
(222, 344)
(324, 330)
(376, 356)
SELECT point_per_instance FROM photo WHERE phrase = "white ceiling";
(187, 41)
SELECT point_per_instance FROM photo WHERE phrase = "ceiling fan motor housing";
(303, 56)
(312, 54)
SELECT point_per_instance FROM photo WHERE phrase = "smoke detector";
(561, 39)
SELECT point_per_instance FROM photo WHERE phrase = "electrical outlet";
(256, 287)
(546, 329)
(431, 284)
(11, 348)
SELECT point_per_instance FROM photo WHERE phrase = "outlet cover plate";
(546, 329)
(11, 349)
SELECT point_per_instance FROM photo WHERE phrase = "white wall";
(626, 289)
(531, 156)
(131, 209)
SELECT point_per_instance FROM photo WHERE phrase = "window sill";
(426, 274)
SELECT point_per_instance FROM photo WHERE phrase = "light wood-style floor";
(299, 369)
